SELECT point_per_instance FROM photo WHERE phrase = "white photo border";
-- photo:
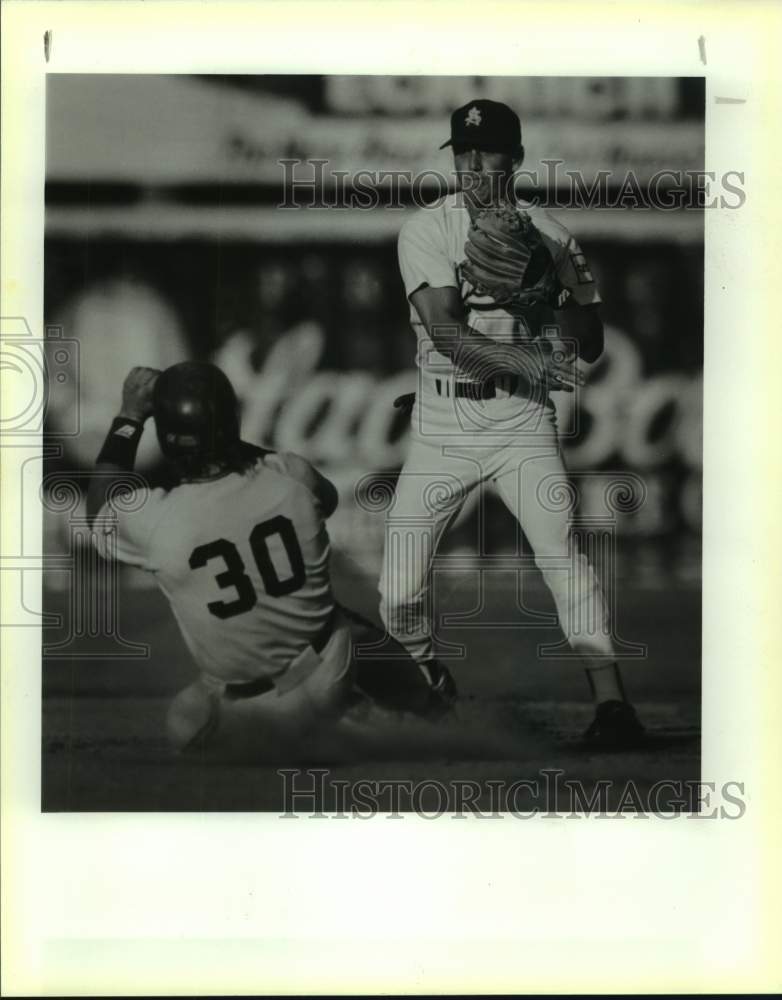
(237, 903)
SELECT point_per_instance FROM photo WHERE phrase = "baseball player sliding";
(239, 546)
(503, 304)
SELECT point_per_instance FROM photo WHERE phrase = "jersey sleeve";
(288, 463)
(423, 254)
(126, 533)
(574, 273)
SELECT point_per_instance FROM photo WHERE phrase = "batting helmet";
(196, 413)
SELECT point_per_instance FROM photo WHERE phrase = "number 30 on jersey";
(234, 574)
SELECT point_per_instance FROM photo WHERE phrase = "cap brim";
(448, 142)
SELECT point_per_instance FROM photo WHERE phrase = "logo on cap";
(473, 116)
(126, 431)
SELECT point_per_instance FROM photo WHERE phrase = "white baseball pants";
(456, 444)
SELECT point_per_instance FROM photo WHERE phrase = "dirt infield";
(521, 716)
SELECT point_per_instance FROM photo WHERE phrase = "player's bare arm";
(118, 454)
(442, 312)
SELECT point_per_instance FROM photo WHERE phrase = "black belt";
(261, 685)
(471, 390)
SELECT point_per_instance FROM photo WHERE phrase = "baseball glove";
(508, 260)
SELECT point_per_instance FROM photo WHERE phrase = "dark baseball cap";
(486, 125)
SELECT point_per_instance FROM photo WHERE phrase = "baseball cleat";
(615, 727)
(442, 691)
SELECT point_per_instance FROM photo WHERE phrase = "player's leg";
(193, 715)
(200, 720)
(429, 494)
(527, 483)
(296, 719)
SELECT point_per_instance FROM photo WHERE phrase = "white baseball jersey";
(431, 252)
(242, 559)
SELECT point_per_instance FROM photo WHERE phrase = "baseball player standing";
(239, 546)
(502, 303)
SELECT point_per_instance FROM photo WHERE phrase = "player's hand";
(137, 392)
(547, 363)
(560, 358)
